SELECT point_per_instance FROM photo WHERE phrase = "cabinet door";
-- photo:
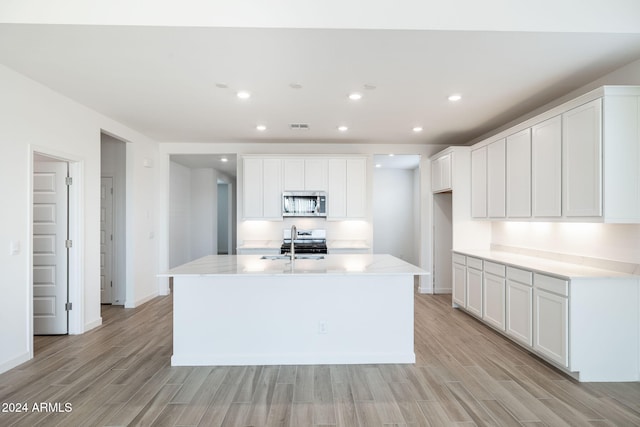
(272, 189)
(519, 309)
(294, 174)
(582, 160)
(441, 173)
(493, 300)
(459, 285)
(519, 174)
(550, 318)
(315, 174)
(496, 175)
(479, 183)
(252, 189)
(474, 291)
(356, 188)
(337, 188)
(546, 163)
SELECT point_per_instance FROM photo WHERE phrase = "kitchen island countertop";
(346, 264)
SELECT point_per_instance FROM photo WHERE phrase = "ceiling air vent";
(299, 126)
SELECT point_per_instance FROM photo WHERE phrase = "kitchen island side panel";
(310, 319)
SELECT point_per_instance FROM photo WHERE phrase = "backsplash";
(609, 246)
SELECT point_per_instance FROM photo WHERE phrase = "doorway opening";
(396, 206)
(202, 194)
(224, 218)
(113, 250)
(442, 242)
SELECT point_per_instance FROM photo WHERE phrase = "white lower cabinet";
(519, 306)
(551, 319)
(474, 286)
(459, 292)
(587, 326)
(493, 300)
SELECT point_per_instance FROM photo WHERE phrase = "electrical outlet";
(322, 327)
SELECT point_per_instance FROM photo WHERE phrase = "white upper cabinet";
(579, 161)
(441, 173)
(293, 174)
(479, 183)
(519, 174)
(305, 174)
(496, 176)
(546, 164)
(347, 188)
(315, 174)
(262, 188)
(582, 160)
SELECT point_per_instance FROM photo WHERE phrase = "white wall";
(393, 214)
(615, 242)
(179, 215)
(34, 118)
(204, 212)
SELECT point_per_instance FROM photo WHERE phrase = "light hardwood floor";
(465, 375)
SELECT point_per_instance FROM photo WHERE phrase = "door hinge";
(111, 190)
(112, 283)
(68, 306)
(68, 180)
(112, 237)
(68, 244)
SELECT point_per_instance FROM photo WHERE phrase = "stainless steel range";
(306, 242)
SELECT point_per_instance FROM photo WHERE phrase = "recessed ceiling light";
(261, 127)
(224, 159)
(417, 129)
(378, 165)
(343, 128)
(391, 155)
(243, 94)
(455, 97)
(355, 96)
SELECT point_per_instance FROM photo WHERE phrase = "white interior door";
(106, 240)
(50, 252)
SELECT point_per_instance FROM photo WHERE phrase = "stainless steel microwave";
(304, 203)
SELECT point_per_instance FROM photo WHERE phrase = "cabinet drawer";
(493, 268)
(551, 284)
(521, 276)
(459, 259)
(474, 263)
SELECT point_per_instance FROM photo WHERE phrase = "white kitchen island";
(245, 310)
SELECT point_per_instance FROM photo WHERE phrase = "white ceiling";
(162, 81)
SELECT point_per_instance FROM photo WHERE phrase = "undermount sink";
(301, 256)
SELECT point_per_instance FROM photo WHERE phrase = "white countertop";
(564, 270)
(349, 264)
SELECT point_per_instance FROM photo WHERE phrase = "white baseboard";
(141, 301)
(92, 325)
(16, 361)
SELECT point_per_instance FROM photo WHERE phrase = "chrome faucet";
(294, 235)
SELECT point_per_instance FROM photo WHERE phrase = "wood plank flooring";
(465, 375)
